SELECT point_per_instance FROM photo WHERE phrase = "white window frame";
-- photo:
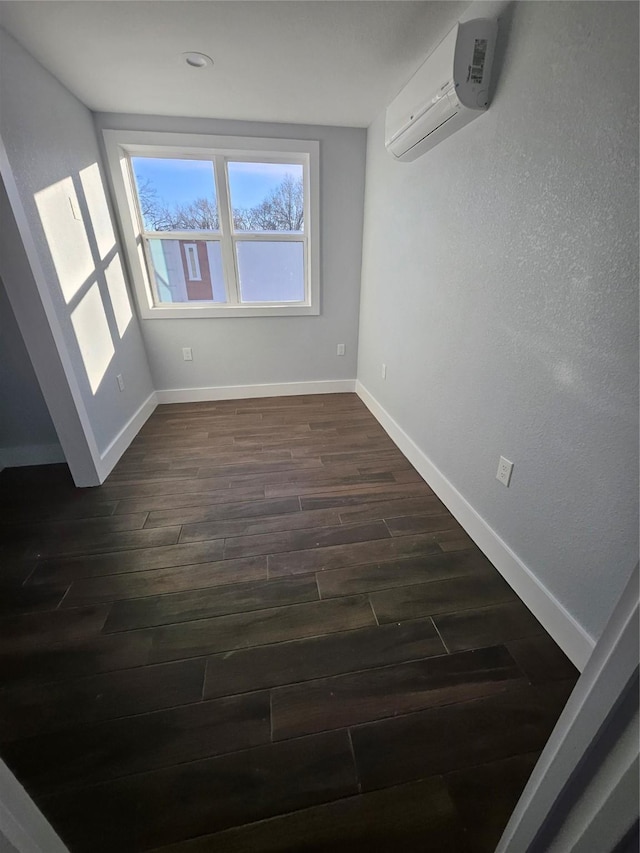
(121, 145)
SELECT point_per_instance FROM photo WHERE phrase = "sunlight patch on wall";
(119, 296)
(66, 235)
(96, 199)
(94, 338)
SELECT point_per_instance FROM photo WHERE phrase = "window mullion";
(226, 226)
(146, 250)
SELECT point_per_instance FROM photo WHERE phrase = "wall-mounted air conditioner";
(449, 90)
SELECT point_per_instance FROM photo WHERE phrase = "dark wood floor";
(264, 633)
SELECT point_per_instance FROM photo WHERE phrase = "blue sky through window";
(182, 181)
(176, 181)
(251, 183)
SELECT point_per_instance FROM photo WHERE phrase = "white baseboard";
(110, 456)
(565, 630)
(33, 454)
(242, 392)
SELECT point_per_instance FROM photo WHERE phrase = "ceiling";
(302, 61)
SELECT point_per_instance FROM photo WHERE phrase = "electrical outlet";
(187, 353)
(504, 471)
(384, 371)
(120, 382)
(340, 349)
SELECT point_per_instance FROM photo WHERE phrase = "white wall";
(27, 433)
(51, 154)
(499, 285)
(259, 350)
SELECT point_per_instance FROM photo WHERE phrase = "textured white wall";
(500, 287)
(50, 138)
(257, 350)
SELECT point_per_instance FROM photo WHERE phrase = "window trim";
(120, 145)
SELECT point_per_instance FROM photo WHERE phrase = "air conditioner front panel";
(436, 135)
(432, 118)
(433, 79)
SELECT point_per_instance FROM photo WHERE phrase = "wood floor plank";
(86, 755)
(404, 818)
(302, 660)
(205, 603)
(124, 562)
(76, 658)
(346, 700)
(361, 419)
(338, 456)
(427, 523)
(486, 626)
(300, 540)
(286, 419)
(387, 509)
(32, 631)
(225, 510)
(288, 441)
(31, 710)
(78, 527)
(454, 540)
(364, 498)
(404, 572)
(486, 795)
(260, 627)
(353, 490)
(262, 428)
(178, 438)
(379, 464)
(342, 556)
(320, 444)
(513, 722)
(99, 543)
(165, 806)
(162, 452)
(307, 475)
(152, 475)
(428, 599)
(258, 467)
(169, 509)
(14, 571)
(255, 526)
(541, 659)
(161, 581)
(15, 600)
(122, 491)
(232, 455)
(71, 507)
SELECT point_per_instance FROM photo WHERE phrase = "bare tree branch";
(281, 210)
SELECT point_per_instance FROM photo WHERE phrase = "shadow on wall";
(88, 266)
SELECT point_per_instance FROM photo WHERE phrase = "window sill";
(192, 312)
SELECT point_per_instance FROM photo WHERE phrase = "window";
(193, 265)
(218, 226)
